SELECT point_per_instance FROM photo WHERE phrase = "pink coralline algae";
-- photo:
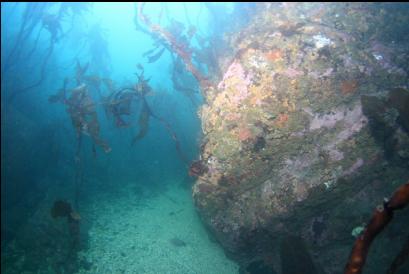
(233, 116)
(240, 95)
(350, 63)
(236, 71)
(353, 119)
(292, 72)
(316, 74)
(352, 122)
(297, 167)
(327, 120)
(334, 154)
(359, 162)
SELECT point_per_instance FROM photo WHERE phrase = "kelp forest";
(204, 138)
(69, 120)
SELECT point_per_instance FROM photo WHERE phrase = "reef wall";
(305, 134)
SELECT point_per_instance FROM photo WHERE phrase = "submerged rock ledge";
(304, 134)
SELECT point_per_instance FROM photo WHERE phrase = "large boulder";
(305, 134)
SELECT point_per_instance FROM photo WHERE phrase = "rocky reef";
(305, 133)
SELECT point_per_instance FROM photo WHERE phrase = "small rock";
(177, 242)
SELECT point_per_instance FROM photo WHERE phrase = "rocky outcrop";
(304, 134)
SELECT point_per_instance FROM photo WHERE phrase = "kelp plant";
(82, 109)
(63, 209)
(172, 39)
(118, 105)
(38, 16)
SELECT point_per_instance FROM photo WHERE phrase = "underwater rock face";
(290, 147)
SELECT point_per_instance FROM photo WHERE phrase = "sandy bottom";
(131, 231)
